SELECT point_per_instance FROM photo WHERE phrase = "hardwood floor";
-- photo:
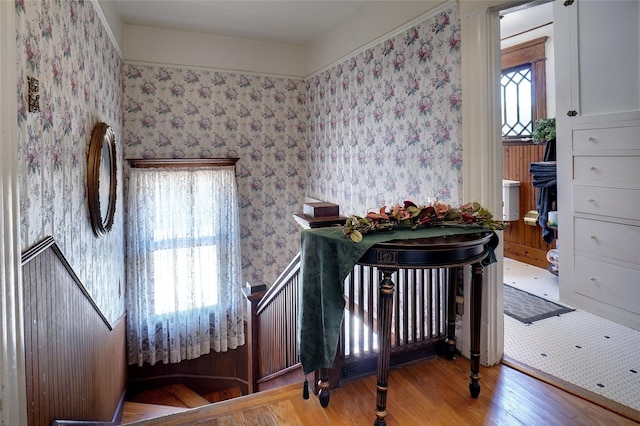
(430, 392)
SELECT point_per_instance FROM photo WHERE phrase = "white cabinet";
(606, 201)
(601, 273)
(606, 169)
(591, 141)
(598, 132)
(609, 284)
(603, 240)
(604, 54)
(607, 268)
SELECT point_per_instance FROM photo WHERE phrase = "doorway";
(575, 350)
(527, 88)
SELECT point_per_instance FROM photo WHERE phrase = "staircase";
(418, 332)
(170, 399)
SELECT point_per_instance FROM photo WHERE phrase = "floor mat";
(527, 307)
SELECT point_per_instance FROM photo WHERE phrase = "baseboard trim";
(529, 255)
(592, 397)
(116, 421)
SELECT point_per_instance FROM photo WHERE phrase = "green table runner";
(326, 258)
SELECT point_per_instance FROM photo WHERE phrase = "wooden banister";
(253, 296)
(419, 312)
(285, 278)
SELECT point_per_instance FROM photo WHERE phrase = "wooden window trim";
(530, 52)
(140, 163)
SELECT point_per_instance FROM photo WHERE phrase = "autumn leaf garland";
(412, 216)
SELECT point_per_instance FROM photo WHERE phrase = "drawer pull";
(594, 168)
(594, 279)
(593, 237)
(592, 200)
(592, 139)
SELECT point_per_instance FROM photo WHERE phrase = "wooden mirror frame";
(102, 178)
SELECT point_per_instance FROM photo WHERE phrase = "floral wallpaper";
(384, 126)
(172, 112)
(378, 128)
(381, 127)
(65, 46)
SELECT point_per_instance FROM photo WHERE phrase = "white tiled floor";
(583, 349)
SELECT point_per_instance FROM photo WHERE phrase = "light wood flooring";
(430, 392)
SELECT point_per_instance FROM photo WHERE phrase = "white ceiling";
(294, 22)
(525, 19)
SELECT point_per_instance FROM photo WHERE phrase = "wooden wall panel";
(75, 361)
(523, 242)
(212, 372)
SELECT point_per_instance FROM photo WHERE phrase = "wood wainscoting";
(74, 359)
(212, 372)
(524, 242)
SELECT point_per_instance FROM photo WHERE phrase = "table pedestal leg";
(323, 388)
(385, 303)
(453, 275)
(476, 315)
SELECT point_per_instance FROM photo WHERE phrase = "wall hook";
(33, 96)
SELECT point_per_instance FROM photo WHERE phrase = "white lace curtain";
(183, 264)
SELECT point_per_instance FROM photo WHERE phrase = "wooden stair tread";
(177, 395)
(136, 411)
(171, 399)
(189, 397)
(252, 402)
(224, 394)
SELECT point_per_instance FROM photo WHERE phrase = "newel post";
(253, 296)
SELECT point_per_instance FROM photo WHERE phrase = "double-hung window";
(183, 262)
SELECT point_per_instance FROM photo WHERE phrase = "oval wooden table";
(452, 251)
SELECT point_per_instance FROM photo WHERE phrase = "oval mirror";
(101, 174)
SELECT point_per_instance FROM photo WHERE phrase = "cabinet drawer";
(614, 202)
(611, 138)
(615, 285)
(606, 239)
(607, 169)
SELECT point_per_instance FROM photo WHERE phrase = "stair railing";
(419, 326)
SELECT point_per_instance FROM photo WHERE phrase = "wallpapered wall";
(381, 127)
(378, 128)
(385, 125)
(65, 46)
(192, 113)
